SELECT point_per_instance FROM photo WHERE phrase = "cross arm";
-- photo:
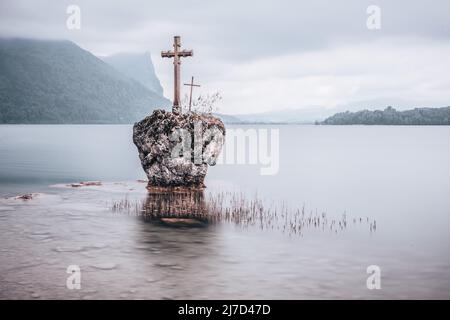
(186, 53)
(167, 54)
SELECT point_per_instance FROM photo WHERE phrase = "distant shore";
(390, 116)
(387, 117)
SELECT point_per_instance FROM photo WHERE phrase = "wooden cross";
(190, 96)
(176, 54)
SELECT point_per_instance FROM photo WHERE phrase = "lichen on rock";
(176, 149)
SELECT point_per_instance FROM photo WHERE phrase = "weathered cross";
(190, 96)
(176, 54)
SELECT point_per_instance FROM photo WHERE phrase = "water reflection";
(176, 209)
(194, 208)
(175, 240)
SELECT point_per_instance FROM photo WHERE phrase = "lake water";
(398, 177)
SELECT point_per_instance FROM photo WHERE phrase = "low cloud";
(267, 55)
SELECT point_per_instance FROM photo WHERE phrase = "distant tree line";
(390, 116)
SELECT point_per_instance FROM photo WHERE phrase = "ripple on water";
(96, 246)
(43, 236)
(68, 249)
(141, 247)
(148, 248)
(104, 266)
(81, 248)
(177, 267)
(40, 233)
(168, 265)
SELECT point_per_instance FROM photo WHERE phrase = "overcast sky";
(268, 55)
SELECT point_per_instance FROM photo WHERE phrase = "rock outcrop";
(176, 149)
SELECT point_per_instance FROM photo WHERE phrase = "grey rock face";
(176, 149)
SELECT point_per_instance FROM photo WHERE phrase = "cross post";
(190, 95)
(176, 54)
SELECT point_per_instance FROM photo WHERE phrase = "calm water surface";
(398, 176)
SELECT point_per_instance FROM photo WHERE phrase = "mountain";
(390, 116)
(55, 81)
(138, 67)
(226, 118)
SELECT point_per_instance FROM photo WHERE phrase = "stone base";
(174, 189)
(169, 145)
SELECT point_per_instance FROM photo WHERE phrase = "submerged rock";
(86, 184)
(176, 149)
(26, 196)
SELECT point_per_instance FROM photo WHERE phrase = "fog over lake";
(398, 176)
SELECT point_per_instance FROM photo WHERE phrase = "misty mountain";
(390, 116)
(138, 67)
(304, 115)
(48, 81)
(345, 113)
(226, 118)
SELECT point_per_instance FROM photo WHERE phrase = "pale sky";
(268, 55)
